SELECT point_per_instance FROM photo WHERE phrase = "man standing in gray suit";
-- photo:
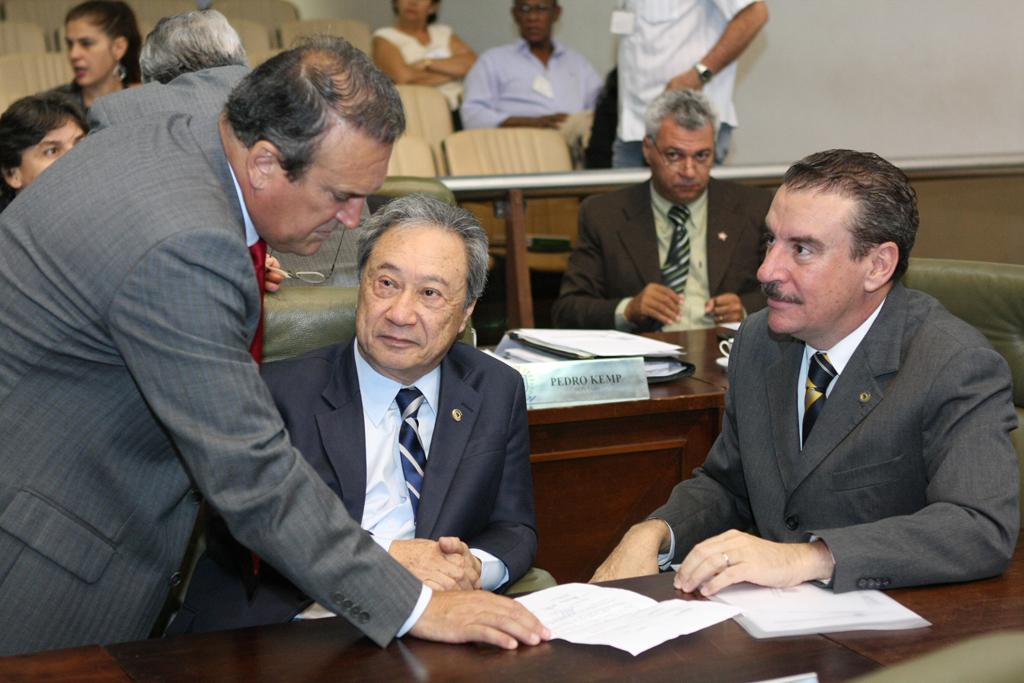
(866, 436)
(127, 391)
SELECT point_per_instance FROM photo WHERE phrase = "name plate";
(577, 382)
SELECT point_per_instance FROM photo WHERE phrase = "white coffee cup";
(725, 346)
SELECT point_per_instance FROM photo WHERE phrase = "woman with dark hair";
(35, 131)
(103, 44)
(420, 51)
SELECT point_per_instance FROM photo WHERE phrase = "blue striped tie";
(414, 458)
(677, 263)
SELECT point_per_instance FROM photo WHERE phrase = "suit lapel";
(448, 443)
(342, 434)
(860, 388)
(637, 234)
(722, 220)
(781, 399)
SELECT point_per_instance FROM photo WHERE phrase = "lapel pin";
(865, 397)
(457, 414)
(722, 236)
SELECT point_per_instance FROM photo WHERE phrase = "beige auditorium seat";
(270, 13)
(411, 156)
(355, 32)
(26, 74)
(490, 151)
(427, 117)
(17, 36)
(46, 14)
(254, 35)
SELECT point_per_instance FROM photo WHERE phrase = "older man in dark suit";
(680, 252)
(127, 388)
(866, 436)
(468, 520)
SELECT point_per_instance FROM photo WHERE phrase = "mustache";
(773, 291)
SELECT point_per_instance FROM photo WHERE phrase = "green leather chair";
(994, 658)
(989, 296)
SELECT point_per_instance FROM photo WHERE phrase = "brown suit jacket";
(617, 252)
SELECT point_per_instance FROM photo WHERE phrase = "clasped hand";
(444, 565)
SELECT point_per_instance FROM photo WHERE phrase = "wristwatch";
(703, 72)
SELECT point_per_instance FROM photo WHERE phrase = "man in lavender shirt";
(535, 82)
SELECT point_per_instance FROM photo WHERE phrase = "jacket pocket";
(868, 475)
(54, 534)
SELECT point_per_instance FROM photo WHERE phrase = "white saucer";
(722, 362)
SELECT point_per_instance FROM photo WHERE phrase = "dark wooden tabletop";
(332, 650)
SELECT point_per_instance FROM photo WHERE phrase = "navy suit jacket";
(477, 484)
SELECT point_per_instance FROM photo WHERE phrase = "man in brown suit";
(678, 252)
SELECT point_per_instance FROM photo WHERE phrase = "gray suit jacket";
(200, 93)
(127, 392)
(617, 252)
(909, 475)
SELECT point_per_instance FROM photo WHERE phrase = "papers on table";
(583, 344)
(595, 615)
(661, 360)
(803, 609)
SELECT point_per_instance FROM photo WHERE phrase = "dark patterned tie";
(819, 375)
(414, 458)
(677, 264)
(258, 252)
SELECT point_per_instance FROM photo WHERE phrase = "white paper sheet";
(602, 343)
(772, 612)
(596, 615)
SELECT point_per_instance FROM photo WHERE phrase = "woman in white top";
(418, 51)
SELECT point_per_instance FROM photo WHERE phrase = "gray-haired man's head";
(189, 42)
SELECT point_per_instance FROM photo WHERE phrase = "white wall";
(904, 78)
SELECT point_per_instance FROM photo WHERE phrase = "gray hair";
(419, 209)
(189, 42)
(886, 202)
(689, 109)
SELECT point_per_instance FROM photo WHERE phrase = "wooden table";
(333, 650)
(597, 469)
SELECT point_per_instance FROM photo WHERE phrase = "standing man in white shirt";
(462, 516)
(676, 44)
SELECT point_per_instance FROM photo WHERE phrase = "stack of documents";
(803, 609)
(661, 360)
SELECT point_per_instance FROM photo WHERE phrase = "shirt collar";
(378, 392)
(251, 236)
(661, 205)
(841, 352)
(524, 47)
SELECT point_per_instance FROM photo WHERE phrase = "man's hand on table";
(734, 556)
(479, 617)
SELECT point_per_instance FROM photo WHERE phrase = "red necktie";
(258, 251)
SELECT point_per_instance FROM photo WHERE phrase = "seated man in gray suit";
(866, 436)
(679, 252)
(454, 505)
(190, 62)
(128, 387)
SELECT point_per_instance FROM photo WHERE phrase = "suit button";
(792, 522)
(363, 617)
(862, 583)
(175, 579)
(885, 583)
(346, 604)
(195, 495)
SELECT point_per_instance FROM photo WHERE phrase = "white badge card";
(542, 85)
(623, 22)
